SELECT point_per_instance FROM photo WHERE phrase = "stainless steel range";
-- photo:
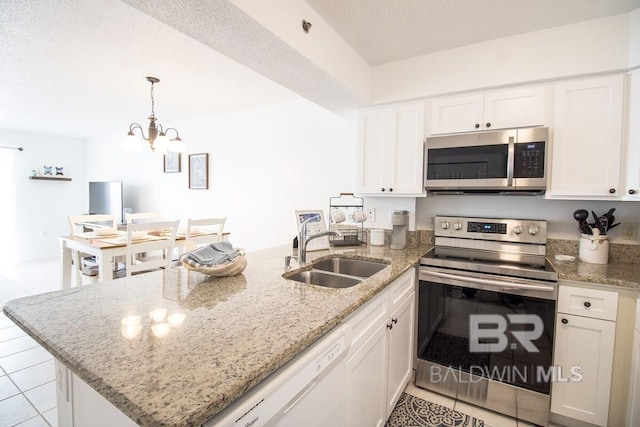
(486, 309)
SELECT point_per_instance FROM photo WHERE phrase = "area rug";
(411, 411)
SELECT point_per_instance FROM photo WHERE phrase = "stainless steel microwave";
(509, 161)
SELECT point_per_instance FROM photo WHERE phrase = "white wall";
(264, 163)
(588, 47)
(35, 212)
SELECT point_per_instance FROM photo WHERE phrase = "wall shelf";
(50, 178)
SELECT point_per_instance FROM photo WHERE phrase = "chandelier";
(157, 137)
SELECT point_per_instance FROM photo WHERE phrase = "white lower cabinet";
(584, 344)
(380, 360)
(633, 408)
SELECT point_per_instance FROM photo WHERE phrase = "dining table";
(105, 249)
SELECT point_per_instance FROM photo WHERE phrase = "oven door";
(470, 162)
(496, 328)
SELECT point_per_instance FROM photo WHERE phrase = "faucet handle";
(287, 261)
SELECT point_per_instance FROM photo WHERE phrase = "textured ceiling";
(78, 67)
(383, 31)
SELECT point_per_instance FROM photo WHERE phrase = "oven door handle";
(504, 286)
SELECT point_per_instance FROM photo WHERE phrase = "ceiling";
(78, 67)
(382, 31)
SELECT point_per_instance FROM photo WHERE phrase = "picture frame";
(199, 171)
(172, 162)
(313, 227)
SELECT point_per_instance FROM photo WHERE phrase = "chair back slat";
(137, 259)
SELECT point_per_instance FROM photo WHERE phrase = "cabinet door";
(452, 115)
(401, 350)
(587, 344)
(587, 139)
(371, 151)
(632, 143)
(514, 108)
(367, 374)
(390, 150)
(633, 410)
(406, 174)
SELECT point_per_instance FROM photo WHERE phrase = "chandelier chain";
(153, 113)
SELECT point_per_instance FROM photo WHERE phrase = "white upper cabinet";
(631, 188)
(390, 150)
(495, 110)
(587, 139)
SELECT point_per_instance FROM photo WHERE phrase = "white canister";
(377, 237)
(594, 249)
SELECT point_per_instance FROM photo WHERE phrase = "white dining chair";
(140, 257)
(84, 266)
(203, 231)
(131, 218)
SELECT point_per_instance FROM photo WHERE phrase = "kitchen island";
(234, 331)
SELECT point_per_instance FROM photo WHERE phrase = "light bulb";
(160, 144)
(131, 143)
(158, 314)
(176, 319)
(176, 145)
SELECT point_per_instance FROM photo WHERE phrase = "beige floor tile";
(51, 416)
(491, 419)
(15, 410)
(5, 322)
(43, 397)
(10, 333)
(34, 422)
(7, 388)
(24, 359)
(17, 345)
(430, 396)
(34, 376)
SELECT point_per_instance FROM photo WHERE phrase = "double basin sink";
(337, 272)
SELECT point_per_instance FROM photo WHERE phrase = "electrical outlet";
(630, 231)
(371, 214)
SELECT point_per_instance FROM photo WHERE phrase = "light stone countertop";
(236, 331)
(614, 275)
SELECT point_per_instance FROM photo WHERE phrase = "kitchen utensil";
(603, 225)
(614, 225)
(610, 216)
(581, 215)
(585, 228)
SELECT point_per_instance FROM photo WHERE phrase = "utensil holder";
(594, 249)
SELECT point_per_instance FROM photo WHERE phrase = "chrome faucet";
(303, 239)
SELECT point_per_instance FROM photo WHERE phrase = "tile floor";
(27, 375)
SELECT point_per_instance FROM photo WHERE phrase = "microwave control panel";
(529, 160)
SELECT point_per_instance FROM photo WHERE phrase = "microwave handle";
(510, 161)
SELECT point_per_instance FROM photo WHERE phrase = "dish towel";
(215, 253)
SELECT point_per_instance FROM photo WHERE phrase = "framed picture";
(199, 171)
(314, 226)
(172, 162)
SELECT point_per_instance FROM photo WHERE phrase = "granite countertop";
(235, 332)
(617, 275)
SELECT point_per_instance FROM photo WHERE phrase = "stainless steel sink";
(322, 278)
(349, 266)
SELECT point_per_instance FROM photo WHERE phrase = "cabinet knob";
(477, 125)
(612, 190)
(587, 304)
(390, 189)
(383, 189)
(394, 320)
(488, 125)
(390, 326)
(632, 191)
(565, 321)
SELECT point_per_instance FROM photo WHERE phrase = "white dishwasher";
(310, 390)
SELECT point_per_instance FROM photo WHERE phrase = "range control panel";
(510, 230)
